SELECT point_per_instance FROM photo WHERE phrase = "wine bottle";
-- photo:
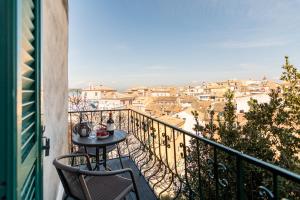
(110, 124)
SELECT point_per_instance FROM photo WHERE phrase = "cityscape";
(175, 105)
(174, 123)
(150, 100)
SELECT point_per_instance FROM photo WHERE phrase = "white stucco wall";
(91, 95)
(55, 87)
(242, 102)
(189, 123)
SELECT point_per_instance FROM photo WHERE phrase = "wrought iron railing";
(181, 165)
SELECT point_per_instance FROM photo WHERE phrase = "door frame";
(8, 80)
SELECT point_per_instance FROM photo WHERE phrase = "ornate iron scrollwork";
(153, 131)
(144, 126)
(222, 169)
(265, 193)
(131, 119)
(210, 171)
(181, 145)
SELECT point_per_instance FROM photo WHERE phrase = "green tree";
(277, 124)
(228, 128)
(271, 133)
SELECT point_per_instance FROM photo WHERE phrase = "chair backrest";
(70, 178)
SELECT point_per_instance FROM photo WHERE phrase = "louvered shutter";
(28, 86)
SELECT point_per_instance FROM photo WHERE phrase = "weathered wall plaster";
(55, 87)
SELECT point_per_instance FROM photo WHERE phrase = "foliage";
(271, 133)
(278, 123)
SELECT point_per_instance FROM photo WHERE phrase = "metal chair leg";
(72, 161)
(128, 148)
(120, 158)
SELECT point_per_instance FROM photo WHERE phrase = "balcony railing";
(181, 165)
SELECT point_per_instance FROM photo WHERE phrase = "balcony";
(170, 163)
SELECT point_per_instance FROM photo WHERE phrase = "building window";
(96, 93)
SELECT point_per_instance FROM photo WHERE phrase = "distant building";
(125, 99)
(97, 92)
(108, 103)
(160, 92)
(189, 120)
(102, 98)
(242, 102)
(138, 91)
(140, 103)
(163, 105)
(175, 121)
(194, 91)
(206, 97)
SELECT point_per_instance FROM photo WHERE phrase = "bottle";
(110, 124)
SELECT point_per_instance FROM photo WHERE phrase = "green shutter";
(23, 158)
(29, 137)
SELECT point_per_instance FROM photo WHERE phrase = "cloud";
(254, 44)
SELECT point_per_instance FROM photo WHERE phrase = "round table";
(117, 137)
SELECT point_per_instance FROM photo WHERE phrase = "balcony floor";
(145, 191)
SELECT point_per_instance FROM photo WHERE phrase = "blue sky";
(125, 43)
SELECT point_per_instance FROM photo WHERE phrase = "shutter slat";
(27, 23)
(28, 115)
(27, 70)
(30, 188)
(32, 195)
(28, 95)
(28, 128)
(27, 107)
(27, 83)
(29, 147)
(28, 91)
(27, 141)
(31, 4)
(27, 182)
(28, 6)
(28, 161)
(28, 35)
(27, 46)
(28, 103)
(27, 58)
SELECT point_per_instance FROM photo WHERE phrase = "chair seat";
(108, 187)
(91, 151)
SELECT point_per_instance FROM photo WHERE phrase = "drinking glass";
(93, 131)
(92, 134)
